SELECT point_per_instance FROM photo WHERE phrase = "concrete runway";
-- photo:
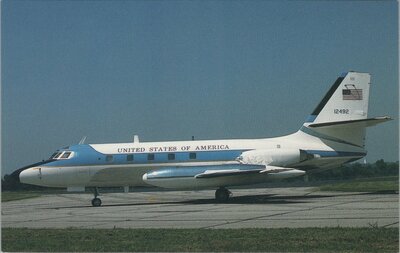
(249, 208)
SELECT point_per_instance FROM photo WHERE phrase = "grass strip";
(200, 240)
(385, 184)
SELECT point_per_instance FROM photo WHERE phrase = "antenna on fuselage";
(136, 138)
(83, 140)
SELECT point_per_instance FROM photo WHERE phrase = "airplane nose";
(31, 176)
(16, 174)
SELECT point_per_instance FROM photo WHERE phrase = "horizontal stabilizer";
(353, 123)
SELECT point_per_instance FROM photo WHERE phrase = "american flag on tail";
(352, 94)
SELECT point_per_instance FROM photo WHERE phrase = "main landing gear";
(222, 194)
(96, 201)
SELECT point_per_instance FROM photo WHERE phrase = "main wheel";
(96, 202)
(222, 195)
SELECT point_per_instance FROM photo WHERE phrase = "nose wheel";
(96, 201)
(222, 194)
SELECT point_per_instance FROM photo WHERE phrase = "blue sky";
(167, 70)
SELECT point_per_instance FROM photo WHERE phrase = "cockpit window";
(65, 155)
(58, 155)
(55, 155)
(62, 155)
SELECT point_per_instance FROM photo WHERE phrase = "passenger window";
(192, 156)
(150, 157)
(129, 158)
(109, 158)
(171, 156)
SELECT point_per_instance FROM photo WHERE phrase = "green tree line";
(358, 170)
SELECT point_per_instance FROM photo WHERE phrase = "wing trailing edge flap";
(237, 172)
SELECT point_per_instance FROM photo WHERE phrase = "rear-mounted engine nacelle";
(274, 157)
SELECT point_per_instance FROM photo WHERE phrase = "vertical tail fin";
(347, 99)
(341, 116)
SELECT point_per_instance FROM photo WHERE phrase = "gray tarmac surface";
(249, 208)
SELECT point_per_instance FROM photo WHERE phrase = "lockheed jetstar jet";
(332, 135)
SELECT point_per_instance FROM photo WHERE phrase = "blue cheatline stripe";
(326, 137)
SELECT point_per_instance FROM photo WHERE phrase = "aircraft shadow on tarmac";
(249, 199)
(260, 199)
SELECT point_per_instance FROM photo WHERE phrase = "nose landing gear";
(222, 194)
(96, 201)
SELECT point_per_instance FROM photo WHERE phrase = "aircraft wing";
(223, 173)
(276, 169)
(229, 174)
(236, 172)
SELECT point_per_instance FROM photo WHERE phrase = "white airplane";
(333, 134)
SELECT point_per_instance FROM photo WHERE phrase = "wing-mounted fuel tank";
(274, 157)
